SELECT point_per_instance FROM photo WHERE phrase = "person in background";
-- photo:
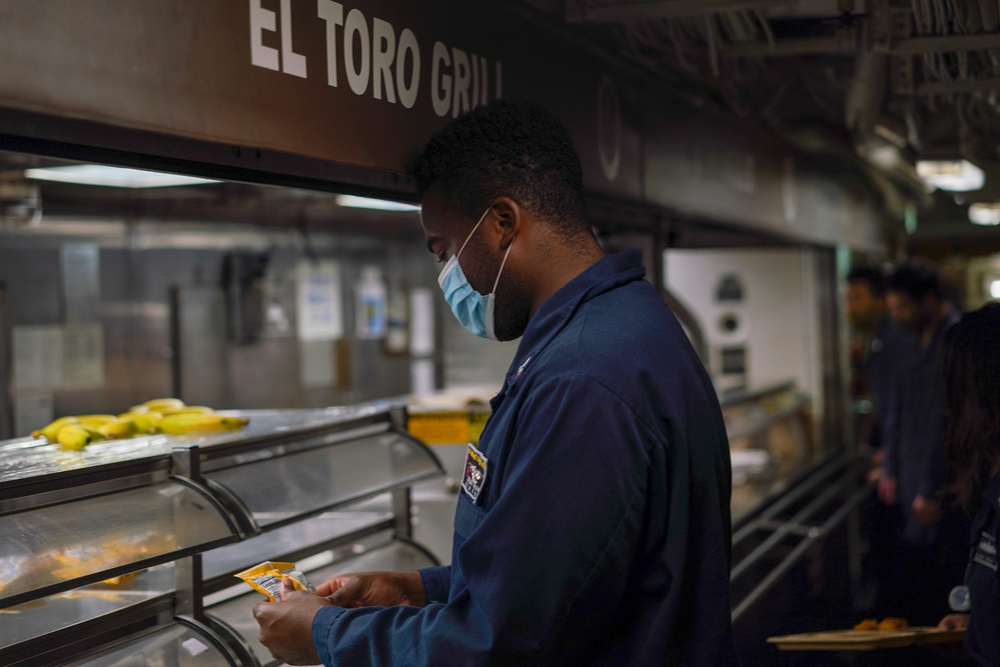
(971, 372)
(929, 540)
(875, 348)
(593, 523)
(877, 344)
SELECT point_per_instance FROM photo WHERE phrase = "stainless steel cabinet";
(124, 554)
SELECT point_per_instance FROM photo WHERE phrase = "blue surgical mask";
(473, 310)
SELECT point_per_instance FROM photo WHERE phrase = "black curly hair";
(970, 368)
(516, 149)
(870, 276)
(915, 279)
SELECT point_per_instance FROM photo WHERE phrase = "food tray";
(864, 640)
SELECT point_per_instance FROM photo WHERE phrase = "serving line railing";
(771, 540)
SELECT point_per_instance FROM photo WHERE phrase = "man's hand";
(286, 626)
(954, 622)
(927, 512)
(378, 589)
(887, 490)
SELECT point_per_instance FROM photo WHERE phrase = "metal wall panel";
(155, 272)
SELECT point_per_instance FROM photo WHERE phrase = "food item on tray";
(892, 623)
(886, 624)
(179, 424)
(267, 578)
(122, 578)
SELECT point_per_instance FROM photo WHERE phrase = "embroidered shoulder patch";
(474, 477)
(986, 551)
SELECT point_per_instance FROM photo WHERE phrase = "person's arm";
(436, 581)
(555, 545)
(890, 447)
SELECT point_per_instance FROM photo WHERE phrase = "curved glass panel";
(283, 487)
(56, 544)
(175, 645)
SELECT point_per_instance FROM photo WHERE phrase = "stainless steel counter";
(132, 546)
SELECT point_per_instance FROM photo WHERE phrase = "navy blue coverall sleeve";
(549, 555)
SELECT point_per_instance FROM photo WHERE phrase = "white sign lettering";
(378, 60)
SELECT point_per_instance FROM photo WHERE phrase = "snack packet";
(267, 578)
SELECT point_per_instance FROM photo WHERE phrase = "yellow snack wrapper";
(267, 578)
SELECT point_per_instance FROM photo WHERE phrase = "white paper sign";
(83, 356)
(52, 357)
(320, 311)
(421, 322)
(38, 357)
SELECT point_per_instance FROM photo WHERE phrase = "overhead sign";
(365, 83)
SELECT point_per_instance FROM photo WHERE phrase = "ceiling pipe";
(669, 9)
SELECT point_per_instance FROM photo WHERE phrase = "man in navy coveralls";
(593, 524)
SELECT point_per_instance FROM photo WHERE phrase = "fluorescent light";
(985, 213)
(951, 175)
(995, 289)
(352, 201)
(118, 177)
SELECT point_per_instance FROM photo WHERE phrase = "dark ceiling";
(891, 81)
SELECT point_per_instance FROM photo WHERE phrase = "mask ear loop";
(500, 272)
(469, 237)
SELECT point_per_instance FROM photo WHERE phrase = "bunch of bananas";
(158, 415)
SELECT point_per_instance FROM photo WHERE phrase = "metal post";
(6, 377)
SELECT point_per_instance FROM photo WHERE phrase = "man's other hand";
(378, 589)
(286, 625)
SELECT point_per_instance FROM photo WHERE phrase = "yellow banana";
(198, 423)
(164, 405)
(192, 410)
(119, 428)
(146, 422)
(51, 431)
(95, 421)
(135, 409)
(95, 434)
(74, 436)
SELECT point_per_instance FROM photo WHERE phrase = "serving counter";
(123, 554)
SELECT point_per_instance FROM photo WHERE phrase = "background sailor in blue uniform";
(593, 526)
(971, 372)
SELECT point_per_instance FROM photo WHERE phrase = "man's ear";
(508, 218)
